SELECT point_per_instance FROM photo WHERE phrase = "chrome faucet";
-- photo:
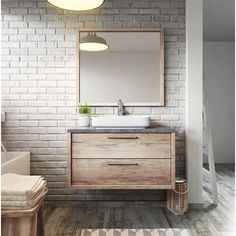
(120, 108)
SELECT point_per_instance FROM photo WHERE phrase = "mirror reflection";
(120, 65)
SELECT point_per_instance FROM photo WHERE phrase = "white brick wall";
(38, 81)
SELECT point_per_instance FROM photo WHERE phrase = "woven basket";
(177, 199)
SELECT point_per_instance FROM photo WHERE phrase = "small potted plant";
(84, 115)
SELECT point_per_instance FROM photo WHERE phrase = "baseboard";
(65, 203)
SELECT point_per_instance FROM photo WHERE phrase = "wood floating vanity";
(121, 158)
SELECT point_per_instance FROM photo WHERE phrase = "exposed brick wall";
(38, 82)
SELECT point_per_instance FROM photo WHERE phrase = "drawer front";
(121, 145)
(120, 172)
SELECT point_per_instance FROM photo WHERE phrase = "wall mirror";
(125, 64)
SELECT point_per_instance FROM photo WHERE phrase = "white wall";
(194, 69)
(130, 76)
(219, 76)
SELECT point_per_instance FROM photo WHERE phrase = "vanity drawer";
(121, 173)
(121, 145)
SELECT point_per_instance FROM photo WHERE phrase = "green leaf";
(83, 109)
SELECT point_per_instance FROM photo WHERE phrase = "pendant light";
(76, 5)
(92, 42)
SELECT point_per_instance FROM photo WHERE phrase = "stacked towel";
(22, 192)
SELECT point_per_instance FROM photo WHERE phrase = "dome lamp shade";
(76, 5)
(92, 42)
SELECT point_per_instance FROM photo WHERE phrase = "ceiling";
(218, 20)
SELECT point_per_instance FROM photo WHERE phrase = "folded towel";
(28, 197)
(24, 205)
(21, 185)
(19, 202)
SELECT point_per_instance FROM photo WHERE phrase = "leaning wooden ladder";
(209, 152)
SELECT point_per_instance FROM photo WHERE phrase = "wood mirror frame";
(160, 30)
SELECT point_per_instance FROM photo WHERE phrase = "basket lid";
(179, 180)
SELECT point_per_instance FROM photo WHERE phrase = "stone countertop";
(120, 130)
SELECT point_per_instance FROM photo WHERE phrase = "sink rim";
(121, 122)
(102, 116)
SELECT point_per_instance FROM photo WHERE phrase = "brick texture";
(38, 82)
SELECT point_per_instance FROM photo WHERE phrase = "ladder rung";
(205, 171)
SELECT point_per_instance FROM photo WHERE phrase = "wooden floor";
(68, 219)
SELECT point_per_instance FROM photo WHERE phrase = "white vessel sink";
(126, 122)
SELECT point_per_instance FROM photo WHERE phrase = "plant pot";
(84, 120)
